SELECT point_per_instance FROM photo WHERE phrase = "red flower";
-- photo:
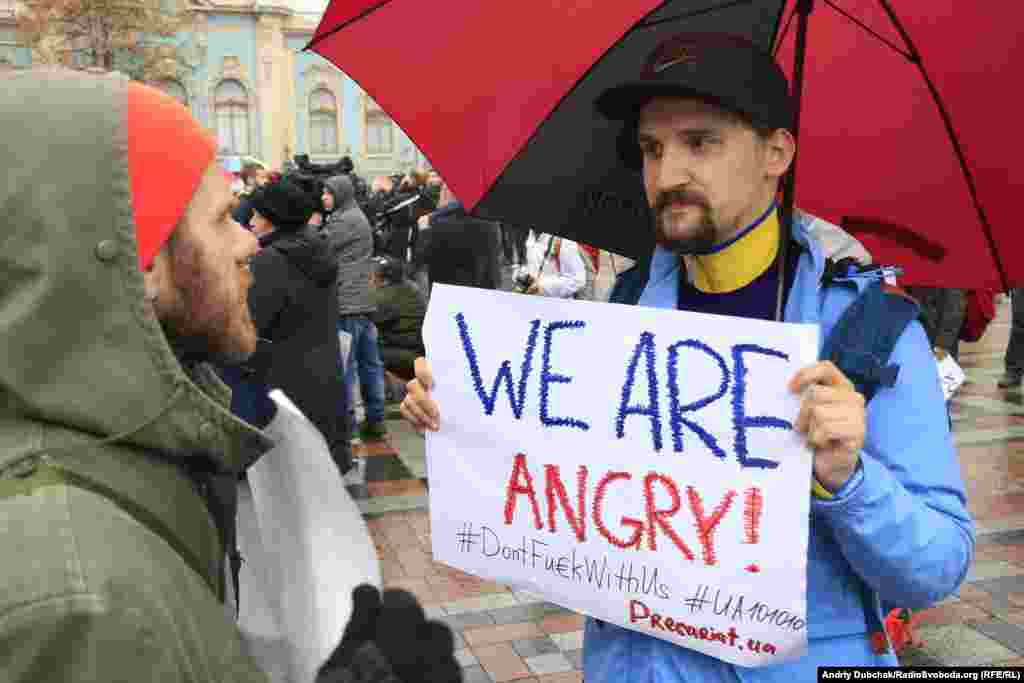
(899, 624)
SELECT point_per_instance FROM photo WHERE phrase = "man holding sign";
(887, 514)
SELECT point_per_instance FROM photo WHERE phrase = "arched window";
(231, 106)
(378, 130)
(175, 90)
(323, 122)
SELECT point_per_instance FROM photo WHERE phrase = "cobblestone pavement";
(503, 635)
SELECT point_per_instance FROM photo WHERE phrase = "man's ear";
(157, 279)
(780, 149)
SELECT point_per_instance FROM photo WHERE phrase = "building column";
(271, 82)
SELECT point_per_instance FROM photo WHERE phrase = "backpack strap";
(861, 342)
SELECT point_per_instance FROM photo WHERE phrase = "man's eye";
(701, 143)
(649, 150)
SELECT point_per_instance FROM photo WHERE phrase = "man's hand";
(361, 629)
(418, 406)
(833, 417)
(423, 221)
(534, 287)
(389, 640)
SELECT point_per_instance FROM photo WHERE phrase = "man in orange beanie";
(121, 274)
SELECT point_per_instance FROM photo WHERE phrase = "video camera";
(391, 213)
(311, 178)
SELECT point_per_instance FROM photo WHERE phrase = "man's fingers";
(423, 373)
(827, 404)
(820, 394)
(411, 418)
(414, 412)
(824, 372)
(830, 423)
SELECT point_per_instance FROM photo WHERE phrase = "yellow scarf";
(740, 263)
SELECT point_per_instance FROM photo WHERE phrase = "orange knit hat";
(168, 153)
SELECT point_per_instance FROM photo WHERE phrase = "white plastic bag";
(304, 546)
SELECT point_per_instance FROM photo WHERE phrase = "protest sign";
(633, 464)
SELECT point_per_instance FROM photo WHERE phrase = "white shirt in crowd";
(563, 273)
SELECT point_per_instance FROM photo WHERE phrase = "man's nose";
(675, 169)
(248, 242)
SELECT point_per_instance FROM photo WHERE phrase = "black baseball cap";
(728, 71)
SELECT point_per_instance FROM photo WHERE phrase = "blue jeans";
(365, 355)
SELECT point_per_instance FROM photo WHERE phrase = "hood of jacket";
(84, 358)
(343, 191)
(311, 252)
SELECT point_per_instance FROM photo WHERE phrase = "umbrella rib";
(328, 34)
(785, 32)
(955, 140)
(694, 13)
(910, 57)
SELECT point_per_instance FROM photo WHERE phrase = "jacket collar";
(662, 289)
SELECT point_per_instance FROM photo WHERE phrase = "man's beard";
(704, 236)
(200, 325)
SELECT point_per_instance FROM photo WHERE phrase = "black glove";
(417, 649)
(391, 638)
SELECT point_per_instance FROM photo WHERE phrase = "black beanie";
(287, 206)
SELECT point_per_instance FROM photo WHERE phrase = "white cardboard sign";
(632, 464)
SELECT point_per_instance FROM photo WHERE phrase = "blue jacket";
(900, 535)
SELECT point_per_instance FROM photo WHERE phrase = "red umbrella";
(890, 158)
(505, 114)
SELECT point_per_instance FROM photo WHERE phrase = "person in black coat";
(293, 304)
(458, 249)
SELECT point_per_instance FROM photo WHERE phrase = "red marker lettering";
(515, 488)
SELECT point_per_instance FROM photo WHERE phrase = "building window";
(8, 44)
(379, 130)
(175, 90)
(231, 107)
(323, 122)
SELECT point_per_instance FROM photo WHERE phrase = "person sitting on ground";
(401, 307)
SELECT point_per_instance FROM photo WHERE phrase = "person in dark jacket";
(401, 307)
(351, 244)
(294, 308)
(458, 249)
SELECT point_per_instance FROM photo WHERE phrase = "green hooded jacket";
(112, 564)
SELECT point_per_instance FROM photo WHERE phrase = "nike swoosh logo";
(679, 60)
